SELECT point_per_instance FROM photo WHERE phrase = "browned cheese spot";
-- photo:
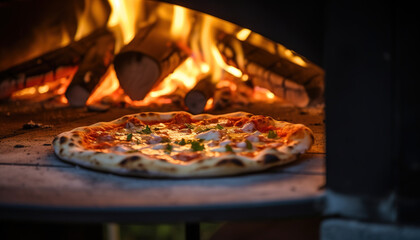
(71, 144)
(63, 139)
(231, 161)
(61, 151)
(129, 160)
(76, 135)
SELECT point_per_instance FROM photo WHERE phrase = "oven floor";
(34, 184)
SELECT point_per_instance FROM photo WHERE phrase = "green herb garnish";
(218, 126)
(182, 142)
(146, 130)
(228, 148)
(165, 140)
(248, 144)
(129, 136)
(196, 146)
(189, 126)
(272, 134)
(168, 148)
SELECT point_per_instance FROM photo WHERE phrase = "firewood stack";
(154, 53)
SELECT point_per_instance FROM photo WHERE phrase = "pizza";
(182, 145)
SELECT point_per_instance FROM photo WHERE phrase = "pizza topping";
(253, 137)
(248, 127)
(228, 148)
(210, 135)
(271, 134)
(248, 144)
(129, 136)
(223, 143)
(105, 138)
(182, 142)
(146, 130)
(168, 148)
(196, 146)
(183, 138)
(154, 139)
(130, 125)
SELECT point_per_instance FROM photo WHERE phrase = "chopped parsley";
(228, 148)
(201, 129)
(218, 126)
(146, 130)
(196, 146)
(190, 126)
(165, 140)
(129, 136)
(248, 144)
(272, 134)
(182, 142)
(168, 148)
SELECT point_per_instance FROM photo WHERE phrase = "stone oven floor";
(35, 184)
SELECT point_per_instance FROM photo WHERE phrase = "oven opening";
(153, 53)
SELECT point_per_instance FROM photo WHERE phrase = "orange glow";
(209, 104)
(243, 34)
(263, 94)
(108, 85)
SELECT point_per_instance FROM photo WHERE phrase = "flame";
(107, 86)
(243, 34)
(123, 20)
(93, 17)
(193, 32)
(209, 104)
(179, 21)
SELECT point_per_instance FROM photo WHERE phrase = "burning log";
(280, 70)
(147, 60)
(94, 65)
(280, 86)
(60, 63)
(196, 98)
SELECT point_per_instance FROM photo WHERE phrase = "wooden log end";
(196, 101)
(137, 73)
(77, 95)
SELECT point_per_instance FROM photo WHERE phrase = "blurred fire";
(197, 37)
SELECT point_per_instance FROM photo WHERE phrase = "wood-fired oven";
(293, 61)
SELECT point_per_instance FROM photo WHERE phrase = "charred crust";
(152, 114)
(63, 139)
(80, 142)
(128, 160)
(270, 158)
(97, 153)
(55, 140)
(143, 115)
(231, 161)
(76, 135)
